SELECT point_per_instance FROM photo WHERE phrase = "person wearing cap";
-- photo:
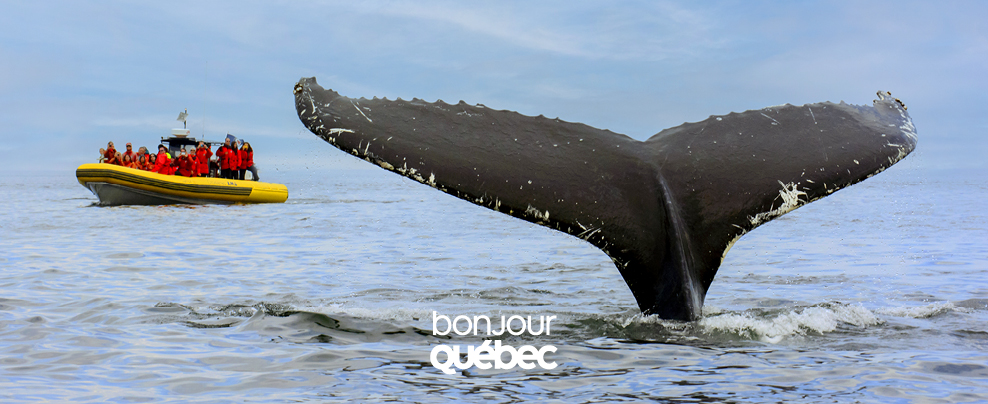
(129, 152)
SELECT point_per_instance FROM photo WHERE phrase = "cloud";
(74, 73)
(651, 31)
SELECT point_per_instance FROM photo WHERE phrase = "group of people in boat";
(232, 161)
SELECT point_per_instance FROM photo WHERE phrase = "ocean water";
(878, 293)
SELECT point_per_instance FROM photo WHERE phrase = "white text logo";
(486, 356)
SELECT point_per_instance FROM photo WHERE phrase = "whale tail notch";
(665, 210)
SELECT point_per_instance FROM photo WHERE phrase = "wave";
(772, 326)
(398, 314)
(800, 321)
(927, 311)
(767, 326)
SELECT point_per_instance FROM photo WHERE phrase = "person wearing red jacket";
(247, 162)
(234, 155)
(221, 159)
(173, 170)
(202, 157)
(228, 159)
(127, 162)
(242, 157)
(142, 151)
(187, 165)
(253, 168)
(130, 153)
(142, 162)
(113, 159)
(108, 153)
(162, 163)
(194, 168)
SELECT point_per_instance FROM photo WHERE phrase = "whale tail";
(665, 210)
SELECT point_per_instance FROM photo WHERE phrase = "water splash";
(927, 311)
(799, 321)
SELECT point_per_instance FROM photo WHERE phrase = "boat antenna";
(205, 81)
(182, 116)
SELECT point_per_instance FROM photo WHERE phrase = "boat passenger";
(242, 158)
(130, 152)
(247, 162)
(109, 152)
(229, 161)
(193, 163)
(127, 162)
(202, 158)
(142, 150)
(142, 162)
(113, 159)
(162, 163)
(177, 162)
(173, 170)
(223, 155)
(186, 164)
(235, 160)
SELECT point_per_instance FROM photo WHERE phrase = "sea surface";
(878, 293)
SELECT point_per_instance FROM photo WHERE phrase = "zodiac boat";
(116, 185)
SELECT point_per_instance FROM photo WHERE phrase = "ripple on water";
(329, 298)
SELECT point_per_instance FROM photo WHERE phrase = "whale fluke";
(666, 210)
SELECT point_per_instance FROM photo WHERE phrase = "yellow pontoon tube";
(116, 185)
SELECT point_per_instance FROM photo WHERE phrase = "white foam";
(795, 322)
(643, 319)
(927, 311)
(710, 310)
(392, 314)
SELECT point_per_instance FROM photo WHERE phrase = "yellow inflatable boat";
(116, 185)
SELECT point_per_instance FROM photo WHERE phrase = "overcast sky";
(74, 75)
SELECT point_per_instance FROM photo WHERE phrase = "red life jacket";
(234, 158)
(223, 153)
(194, 164)
(162, 164)
(202, 157)
(186, 166)
(247, 159)
(242, 156)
